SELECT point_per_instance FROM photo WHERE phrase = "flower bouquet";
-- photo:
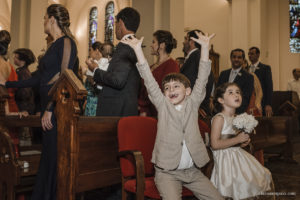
(245, 123)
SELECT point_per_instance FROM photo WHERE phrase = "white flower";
(245, 122)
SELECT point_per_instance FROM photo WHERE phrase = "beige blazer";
(175, 126)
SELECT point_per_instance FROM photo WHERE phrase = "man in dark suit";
(264, 74)
(239, 76)
(120, 82)
(190, 69)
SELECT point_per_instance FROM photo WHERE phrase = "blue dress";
(49, 66)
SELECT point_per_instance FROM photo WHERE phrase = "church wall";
(213, 17)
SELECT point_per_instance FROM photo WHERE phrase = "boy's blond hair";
(176, 77)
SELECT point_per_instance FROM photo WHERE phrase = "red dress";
(167, 67)
(12, 107)
(11, 91)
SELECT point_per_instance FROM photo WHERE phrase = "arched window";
(109, 22)
(93, 25)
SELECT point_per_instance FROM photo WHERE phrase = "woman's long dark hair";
(166, 37)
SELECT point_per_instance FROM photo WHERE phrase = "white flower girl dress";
(236, 173)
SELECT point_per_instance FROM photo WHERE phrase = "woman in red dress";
(162, 45)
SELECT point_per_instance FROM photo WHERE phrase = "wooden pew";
(13, 178)
(272, 131)
(87, 146)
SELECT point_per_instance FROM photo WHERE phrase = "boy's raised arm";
(153, 89)
(199, 89)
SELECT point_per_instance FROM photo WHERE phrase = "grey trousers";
(169, 184)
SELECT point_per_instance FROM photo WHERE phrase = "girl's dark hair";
(219, 93)
(96, 45)
(166, 37)
(61, 14)
(25, 55)
(4, 42)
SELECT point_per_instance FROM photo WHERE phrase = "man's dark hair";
(256, 50)
(176, 77)
(193, 34)
(240, 50)
(130, 17)
(96, 45)
(25, 55)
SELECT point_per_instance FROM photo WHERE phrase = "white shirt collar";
(236, 70)
(178, 107)
(256, 64)
(190, 53)
(127, 35)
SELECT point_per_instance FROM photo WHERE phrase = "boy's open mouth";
(173, 96)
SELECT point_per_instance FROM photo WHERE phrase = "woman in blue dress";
(59, 56)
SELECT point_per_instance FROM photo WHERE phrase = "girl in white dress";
(236, 174)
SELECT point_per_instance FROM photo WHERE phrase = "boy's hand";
(133, 42)
(203, 39)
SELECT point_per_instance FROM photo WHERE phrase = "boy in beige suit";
(179, 150)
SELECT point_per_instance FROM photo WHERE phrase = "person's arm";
(199, 90)
(247, 90)
(289, 87)
(154, 92)
(31, 82)
(118, 70)
(269, 91)
(218, 143)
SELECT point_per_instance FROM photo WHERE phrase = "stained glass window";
(109, 22)
(93, 26)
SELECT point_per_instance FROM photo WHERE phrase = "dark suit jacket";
(119, 96)
(190, 70)
(245, 81)
(264, 74)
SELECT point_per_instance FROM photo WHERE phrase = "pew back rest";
(272, 131)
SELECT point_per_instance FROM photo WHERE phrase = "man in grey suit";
(190, 69)
(121, 80)
(264, 74)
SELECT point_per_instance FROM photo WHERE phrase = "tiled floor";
(286, 179)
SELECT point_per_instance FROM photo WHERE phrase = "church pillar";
(177, 25)
(20, 20)
(5, 13)
(239, 21)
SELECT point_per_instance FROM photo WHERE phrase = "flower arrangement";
(245, 123)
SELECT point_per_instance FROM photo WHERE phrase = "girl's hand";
(203, 39)
(133, 42)
(242, 137)
(244, 144)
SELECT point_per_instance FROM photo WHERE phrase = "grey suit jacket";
(175, 126)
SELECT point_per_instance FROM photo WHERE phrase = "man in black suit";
(264, 74)
(239, 76)
(190, 69)
(120, 82)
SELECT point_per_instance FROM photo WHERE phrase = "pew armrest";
(139, 168)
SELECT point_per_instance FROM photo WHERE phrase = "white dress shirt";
(186, 160)
(252, 68)
(294, 85)
(233, 74)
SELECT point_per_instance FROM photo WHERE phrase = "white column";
(5, 12)
(177, 25)
(239, 21)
